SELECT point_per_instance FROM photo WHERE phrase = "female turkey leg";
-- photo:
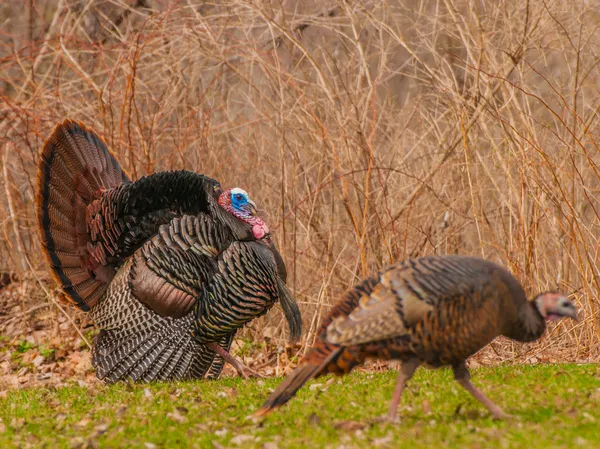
(407, 370)
(242, 369)
(463, 377)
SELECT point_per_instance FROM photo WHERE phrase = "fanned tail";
(74, 166)
(313, 365)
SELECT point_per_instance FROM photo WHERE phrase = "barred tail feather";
(74, 165)
(159, 367)
(162, 355)
(114, 359)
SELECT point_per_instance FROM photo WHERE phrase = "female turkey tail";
(324, 357)
(74, 167)
(313, 365)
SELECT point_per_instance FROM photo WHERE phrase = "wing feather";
(405, 294)
(170, 271)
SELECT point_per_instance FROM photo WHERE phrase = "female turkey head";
(554, 306)
(238, 203)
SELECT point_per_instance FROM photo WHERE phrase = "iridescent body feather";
(432, 311)
(168, 265)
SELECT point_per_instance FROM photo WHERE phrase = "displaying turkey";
(169, 266)
(434, 311)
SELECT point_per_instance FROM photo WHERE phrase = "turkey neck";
(531, 325)
(240, 230)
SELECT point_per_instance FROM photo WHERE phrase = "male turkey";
(434, 311)
(169, 266)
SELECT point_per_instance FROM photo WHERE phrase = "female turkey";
(169, 266)
(434, 311)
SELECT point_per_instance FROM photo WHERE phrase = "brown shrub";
(369, 131)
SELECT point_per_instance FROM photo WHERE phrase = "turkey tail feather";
(308, 369)
(74, 166)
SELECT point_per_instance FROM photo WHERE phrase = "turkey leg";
(407, 370)
(242, 369)
(463, 377)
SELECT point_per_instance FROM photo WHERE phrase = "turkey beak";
(251, 207)
(569, 310)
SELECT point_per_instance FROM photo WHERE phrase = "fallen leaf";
(182, 410)
(240, 439)
(377, 442)
(17, 423)
(77, 443)
(269, 331)
(231, 392)
(100, 429)
(314, 419)
(349, 426)
(177, 417)
(83, 423)
(38, 361)
(227, 393)
(589, 417)
(221, 432)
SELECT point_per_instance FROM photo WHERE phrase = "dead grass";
(369, 131)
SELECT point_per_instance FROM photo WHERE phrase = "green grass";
(556, 406)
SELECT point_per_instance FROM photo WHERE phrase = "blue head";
(237, 202)
(240, 200)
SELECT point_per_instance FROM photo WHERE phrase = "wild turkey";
(434, 311)
(169, 266)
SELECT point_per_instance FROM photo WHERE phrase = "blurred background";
(367, 131)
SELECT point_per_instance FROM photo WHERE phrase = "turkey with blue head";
(169, 266)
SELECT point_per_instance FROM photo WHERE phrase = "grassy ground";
(555, 406)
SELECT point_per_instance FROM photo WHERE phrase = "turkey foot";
(242, 369)
(463, 377)
(406, 372)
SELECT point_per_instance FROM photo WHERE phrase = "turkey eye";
(238, 197)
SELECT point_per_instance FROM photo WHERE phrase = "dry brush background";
(368, 131)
